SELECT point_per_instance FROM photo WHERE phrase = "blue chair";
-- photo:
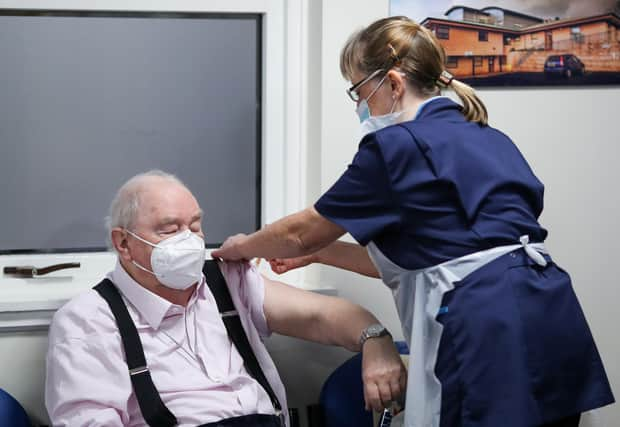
(11, 412)
(342, 395)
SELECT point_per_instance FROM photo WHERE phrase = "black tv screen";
(89, 99)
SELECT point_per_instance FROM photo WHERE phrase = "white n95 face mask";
(176, 261)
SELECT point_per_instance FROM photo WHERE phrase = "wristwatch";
(373, 331)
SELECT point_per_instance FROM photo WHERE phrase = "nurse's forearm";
(348, 256)
(299, 234)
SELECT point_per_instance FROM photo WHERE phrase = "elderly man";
(188, 371)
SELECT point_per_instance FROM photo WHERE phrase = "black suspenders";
(235, 330)
(155, 413)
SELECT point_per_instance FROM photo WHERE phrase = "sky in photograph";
(421, 9)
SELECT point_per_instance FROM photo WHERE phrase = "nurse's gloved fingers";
(372, 397)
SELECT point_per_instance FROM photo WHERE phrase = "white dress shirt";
(198, 372)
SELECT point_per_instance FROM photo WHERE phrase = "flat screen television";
(90, 98)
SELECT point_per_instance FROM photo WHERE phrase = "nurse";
(444, 209)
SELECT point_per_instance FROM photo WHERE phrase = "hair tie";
(444, 79)
(393, 54)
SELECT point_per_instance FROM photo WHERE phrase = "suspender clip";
(281, 417)
(138, 370)
(229, 313)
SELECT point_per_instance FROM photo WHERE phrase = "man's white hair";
(126, 203)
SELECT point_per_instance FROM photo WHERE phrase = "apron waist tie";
(531, 252)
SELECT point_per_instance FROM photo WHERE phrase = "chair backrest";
(342, 395)
(11, 412)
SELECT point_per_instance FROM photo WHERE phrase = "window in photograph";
(483, 36)
(452, 62)
(478, 61)
(443, 32)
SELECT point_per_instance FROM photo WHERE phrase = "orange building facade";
(492, 40)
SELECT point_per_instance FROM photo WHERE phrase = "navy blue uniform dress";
(516, 348)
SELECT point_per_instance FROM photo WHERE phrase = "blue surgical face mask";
(370, 123)
(362, 110)
(375, 123)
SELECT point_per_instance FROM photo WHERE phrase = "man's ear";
(119, 241)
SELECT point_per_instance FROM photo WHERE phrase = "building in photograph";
(491, 40)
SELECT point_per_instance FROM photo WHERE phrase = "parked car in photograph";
(567, 65)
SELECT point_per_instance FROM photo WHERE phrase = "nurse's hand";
(282, 265)
(383, 372)
(229, 251)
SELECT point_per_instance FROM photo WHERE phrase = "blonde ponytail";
(473, 107)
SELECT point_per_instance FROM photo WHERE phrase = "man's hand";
(282, 265)
(383, 372)
(229, 251)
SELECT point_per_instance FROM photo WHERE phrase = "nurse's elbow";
(301, 246)
(303, 234)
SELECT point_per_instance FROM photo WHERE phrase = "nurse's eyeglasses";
(353, 90)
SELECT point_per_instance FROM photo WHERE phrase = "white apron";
(418, 295)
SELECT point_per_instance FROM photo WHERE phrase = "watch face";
(374, 330)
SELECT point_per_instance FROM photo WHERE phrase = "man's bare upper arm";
(292, 311)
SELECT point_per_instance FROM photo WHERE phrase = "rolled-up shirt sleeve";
(361, 201)
(245, 281)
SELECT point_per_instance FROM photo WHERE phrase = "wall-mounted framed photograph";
(524, 42)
